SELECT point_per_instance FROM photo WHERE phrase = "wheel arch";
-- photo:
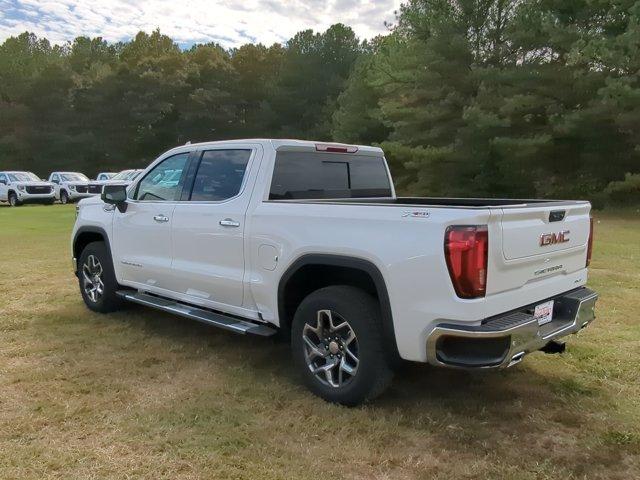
(311, 272)
(86, 235)
(13, 192)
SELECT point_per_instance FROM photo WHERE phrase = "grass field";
(142, 394)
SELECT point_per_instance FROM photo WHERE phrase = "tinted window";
(220, 175)
(300, 175)
(126, 175)
(73, 177)
(23, 177)
(164, 181)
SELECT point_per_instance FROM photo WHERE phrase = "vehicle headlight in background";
(21, 188)
(72, 187)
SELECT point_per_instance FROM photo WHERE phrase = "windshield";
(23, 177)
(126, 175)
(73, 177)
(123, 175)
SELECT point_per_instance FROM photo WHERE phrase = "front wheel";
(13, 200)
(97, 279)
(337, 345)
(64, 197)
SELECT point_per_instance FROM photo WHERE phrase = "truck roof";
(281, 144)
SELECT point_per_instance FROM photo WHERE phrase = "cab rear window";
(316, 175)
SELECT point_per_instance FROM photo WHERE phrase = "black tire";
(362, 313)
(108, 301)
(64, 197)
(13, 200)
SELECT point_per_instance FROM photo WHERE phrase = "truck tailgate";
(540, 230)
(536, 242)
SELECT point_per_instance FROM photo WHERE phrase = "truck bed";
(444, 202)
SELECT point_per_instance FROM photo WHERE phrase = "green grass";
(142, 394)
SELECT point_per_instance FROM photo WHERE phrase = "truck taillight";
(590, 243)
(335, 148)
(465, 249)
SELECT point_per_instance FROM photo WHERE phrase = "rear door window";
(220, 175)
(315, 175)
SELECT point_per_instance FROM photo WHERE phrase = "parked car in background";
(105, 175)
(125, 177)
(70, 186)
(310, 239)
(25, 187)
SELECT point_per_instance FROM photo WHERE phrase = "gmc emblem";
(554, 238)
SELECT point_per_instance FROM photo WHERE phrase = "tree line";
(499, 98)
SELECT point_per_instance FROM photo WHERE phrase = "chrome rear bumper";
(504, 340)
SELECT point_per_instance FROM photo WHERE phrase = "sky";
(230, 23)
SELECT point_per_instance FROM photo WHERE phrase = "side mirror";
(3, 181)
(115, 195)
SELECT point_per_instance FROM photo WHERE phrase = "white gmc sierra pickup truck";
(309, 240)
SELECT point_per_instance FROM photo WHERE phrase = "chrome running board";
(209, 317)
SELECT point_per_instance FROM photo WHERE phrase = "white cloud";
(228, 22)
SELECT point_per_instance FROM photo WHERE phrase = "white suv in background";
(70, 186)
(125, 177)
(17, 188)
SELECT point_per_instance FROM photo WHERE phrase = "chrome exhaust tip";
(517, 358)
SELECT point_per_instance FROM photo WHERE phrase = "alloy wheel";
(92, 275)
(331, 349)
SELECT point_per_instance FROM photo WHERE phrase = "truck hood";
(95, 200)
(115, 182)
(110, 182)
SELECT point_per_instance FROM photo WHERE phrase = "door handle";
(161, 218)
(228, 222)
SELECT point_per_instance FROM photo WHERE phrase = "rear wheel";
(13, 199)
(64, 197)
(97, 279)
(337, 345)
